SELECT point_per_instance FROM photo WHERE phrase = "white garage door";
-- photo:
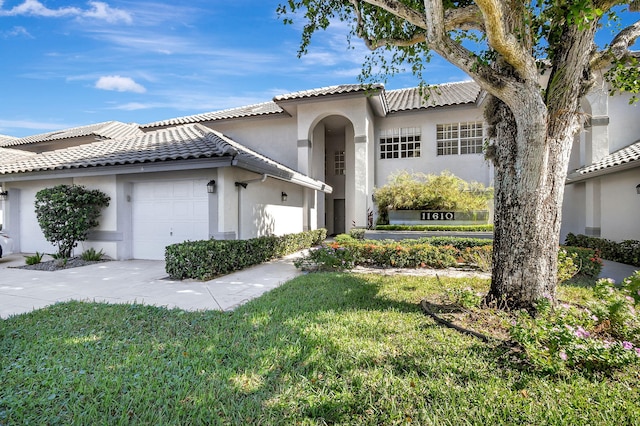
(168, 212)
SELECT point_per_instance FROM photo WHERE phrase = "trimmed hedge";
(204, 260)
(425, 228)
(395, 255)
(460, 243)
(434, 252)
(627, 251)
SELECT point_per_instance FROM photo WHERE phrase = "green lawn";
(321, 349)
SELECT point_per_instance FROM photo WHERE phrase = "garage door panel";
(168, 212)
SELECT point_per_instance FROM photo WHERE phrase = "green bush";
(587, 260)
(434, 228)
(435, 252)
(357, 233)
(460, 243)
(567, 267)
(419, 191)
(91, 255)
(34, 259)
(479, 256)
(327, 258)
(627, 251)
(207, 259)
(601, 337)
(66, 213)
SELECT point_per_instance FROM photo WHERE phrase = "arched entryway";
(333, 155)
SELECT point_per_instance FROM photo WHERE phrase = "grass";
(321, 349)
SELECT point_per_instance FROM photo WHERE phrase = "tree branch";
(377, 43)
(439, 41)
(464, 18)
(619, 47)
(400, 10)
(502, 41)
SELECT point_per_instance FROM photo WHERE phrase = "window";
(460, 138)
(339, 162)
(400, 143)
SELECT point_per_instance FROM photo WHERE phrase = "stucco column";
(599, 146)
(360, 183)
(304, 167)
(593, 203)
(223, 221)
(596, 148)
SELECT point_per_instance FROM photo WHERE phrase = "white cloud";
(135, 106)
(33, 125)
(119, 84)
(105, 12)
(16, 32)
(97, 10)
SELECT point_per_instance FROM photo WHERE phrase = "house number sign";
(437, 216)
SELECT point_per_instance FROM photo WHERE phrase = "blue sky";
(70, 63)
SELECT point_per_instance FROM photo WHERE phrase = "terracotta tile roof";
(394, 100)
(189, 141)
(168, 144)
(327, 91)
(8, 154)
(627, 155)
(107, 130)
(6, 138)
(265, 108)
(441, 95)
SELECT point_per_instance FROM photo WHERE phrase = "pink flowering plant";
(601, 337)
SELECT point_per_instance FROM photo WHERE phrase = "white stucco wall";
(23, 223)
(573, 210)
(261, 210)
(273, 137)
(470, 167)
(620, 213)
(624, 122)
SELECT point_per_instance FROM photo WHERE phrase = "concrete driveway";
(134, 281)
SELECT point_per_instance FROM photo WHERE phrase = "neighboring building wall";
(624, 122)
(590, 206)
(620, 218)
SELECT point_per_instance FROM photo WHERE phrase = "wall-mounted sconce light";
(211, 187)
(3, 194)
(638, 188)
(284, 196)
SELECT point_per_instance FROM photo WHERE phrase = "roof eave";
(104, 170)
(576, 177)
(284, 175)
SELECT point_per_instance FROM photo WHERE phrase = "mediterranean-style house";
(303, 160)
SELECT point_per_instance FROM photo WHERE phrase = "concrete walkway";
(145, 281)
(134, 281)
(617, 271)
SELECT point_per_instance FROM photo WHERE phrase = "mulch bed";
(55, 265)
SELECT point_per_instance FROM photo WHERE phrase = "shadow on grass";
(322, 348)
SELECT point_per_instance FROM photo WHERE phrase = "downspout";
(240, 185)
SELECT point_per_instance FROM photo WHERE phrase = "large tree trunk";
(533, 144)
(530, 173)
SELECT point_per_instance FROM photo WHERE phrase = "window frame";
(461, 138)
(399, 143)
